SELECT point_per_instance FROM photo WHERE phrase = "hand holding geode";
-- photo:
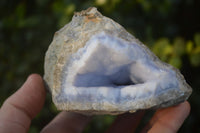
(94, 65)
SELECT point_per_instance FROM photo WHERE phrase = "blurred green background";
(171, 28)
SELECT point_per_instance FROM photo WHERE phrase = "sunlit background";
(171, 28)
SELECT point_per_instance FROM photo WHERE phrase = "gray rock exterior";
(93, 65)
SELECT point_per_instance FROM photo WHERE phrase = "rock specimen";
(94, 65)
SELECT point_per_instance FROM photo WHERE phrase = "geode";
(95, 66)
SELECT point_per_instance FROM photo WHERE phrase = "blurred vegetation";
(171, 28)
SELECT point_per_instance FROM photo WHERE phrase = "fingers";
(168, 120)
(18, 110)
(126, 123)
(67, 122)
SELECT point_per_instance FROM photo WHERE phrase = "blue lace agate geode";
(94, 65)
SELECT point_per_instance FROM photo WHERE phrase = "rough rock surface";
(94, 65)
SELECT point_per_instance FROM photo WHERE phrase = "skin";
(20, 108)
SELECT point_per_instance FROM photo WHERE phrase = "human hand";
(19, 109)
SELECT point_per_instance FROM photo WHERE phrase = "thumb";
(19, 109)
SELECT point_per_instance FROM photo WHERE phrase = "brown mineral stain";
(92, 17)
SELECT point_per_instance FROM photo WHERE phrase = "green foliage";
(169, 27)
(174, 52)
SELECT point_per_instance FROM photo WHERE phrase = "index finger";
(18, 110)
(168, 120)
